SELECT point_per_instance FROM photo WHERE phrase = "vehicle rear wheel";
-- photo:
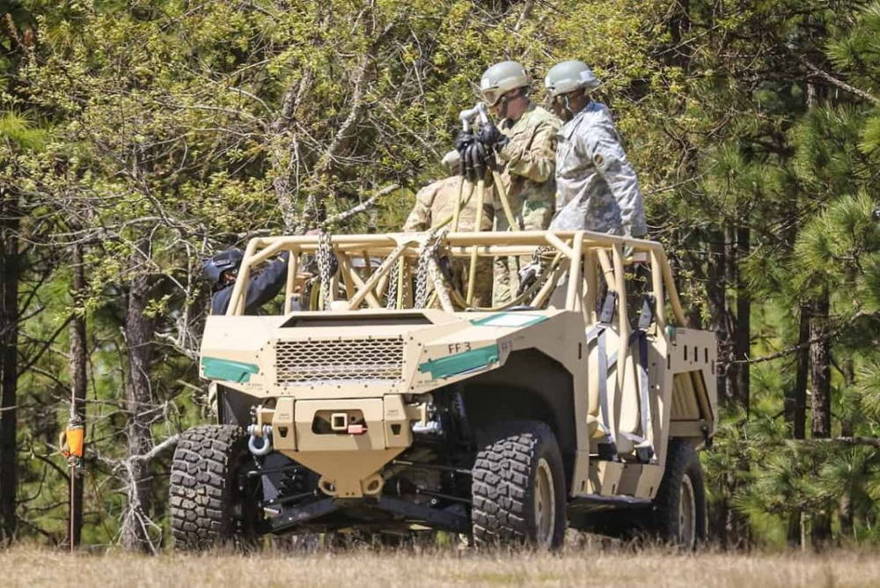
(208, 506)
(679, 513)
(519, 487)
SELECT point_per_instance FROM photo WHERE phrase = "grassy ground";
(355, 568)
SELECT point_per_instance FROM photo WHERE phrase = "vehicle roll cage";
(572, 262)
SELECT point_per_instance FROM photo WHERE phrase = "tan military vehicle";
(393, 405)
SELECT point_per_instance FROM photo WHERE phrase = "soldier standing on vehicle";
(222, 271)
(435, 206)
(596, 187)
(525, 141)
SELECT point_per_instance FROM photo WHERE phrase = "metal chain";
(426, 254)
(391, 291)
(538, 254)
(325, 258)
(533, 272)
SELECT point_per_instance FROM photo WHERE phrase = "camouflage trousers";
(532, 213)
(482, 282)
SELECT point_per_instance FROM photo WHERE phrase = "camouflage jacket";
(596, 187)
(436, 202)
(528, 158)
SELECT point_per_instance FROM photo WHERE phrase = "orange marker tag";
(75, 439)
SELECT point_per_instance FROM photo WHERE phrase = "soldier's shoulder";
(541, 115)
(448, 183)
(597, 114)
(426, 193)
(437, 187)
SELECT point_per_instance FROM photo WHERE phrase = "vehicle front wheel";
(209, 507)
(518, 487)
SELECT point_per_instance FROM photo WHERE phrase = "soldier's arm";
(220, 300)
(265, 286)
(603, 146)
(419, 218)
(536, 161)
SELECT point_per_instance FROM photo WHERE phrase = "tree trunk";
(730, 281)
(794, 530)
(820, 360)
(846, 507)
(796, 408)
(716, 294)
(78, 368)
(847, 422)
(9, 276)
(743, 332)
(139, 331)
(796, 400)
(728, 525)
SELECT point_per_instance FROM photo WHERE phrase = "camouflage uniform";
(435, 203)
(596, 187)
(527, 175)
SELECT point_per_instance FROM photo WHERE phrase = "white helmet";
(569, 76)
(502, 78)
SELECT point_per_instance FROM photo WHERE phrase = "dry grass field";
(572, 567)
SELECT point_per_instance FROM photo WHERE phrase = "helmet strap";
(566, 101)
(502, 107)
(567, 105)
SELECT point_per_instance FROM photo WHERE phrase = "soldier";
(222, 270)
(436, 202)
(596, 187)
(525, 141)
(435, 206)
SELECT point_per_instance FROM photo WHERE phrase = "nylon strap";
(597, 334)
(640, 337)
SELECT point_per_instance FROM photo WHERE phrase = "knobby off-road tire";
(679, 511)
(519, 487)
(207, 508)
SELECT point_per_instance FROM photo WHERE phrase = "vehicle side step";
(592, 503)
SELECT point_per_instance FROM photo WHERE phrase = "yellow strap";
(458, 205)
(472, 271)
(505, 202)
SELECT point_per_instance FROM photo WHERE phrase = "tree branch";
(795, 348)
(363, 206)
(166, 445)
(854, 441)
(840, 83)
(357, 103)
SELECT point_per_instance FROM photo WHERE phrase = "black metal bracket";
(297, 515)
(437, 518)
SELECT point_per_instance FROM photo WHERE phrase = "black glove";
(464, 140)
(476, 157)
(490, 136)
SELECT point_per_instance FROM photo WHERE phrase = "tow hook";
(254, 445)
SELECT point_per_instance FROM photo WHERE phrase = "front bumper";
(348, 458)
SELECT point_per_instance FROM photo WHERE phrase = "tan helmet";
(569, 76)
(502, 78)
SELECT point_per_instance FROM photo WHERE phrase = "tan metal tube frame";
(584, 252)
